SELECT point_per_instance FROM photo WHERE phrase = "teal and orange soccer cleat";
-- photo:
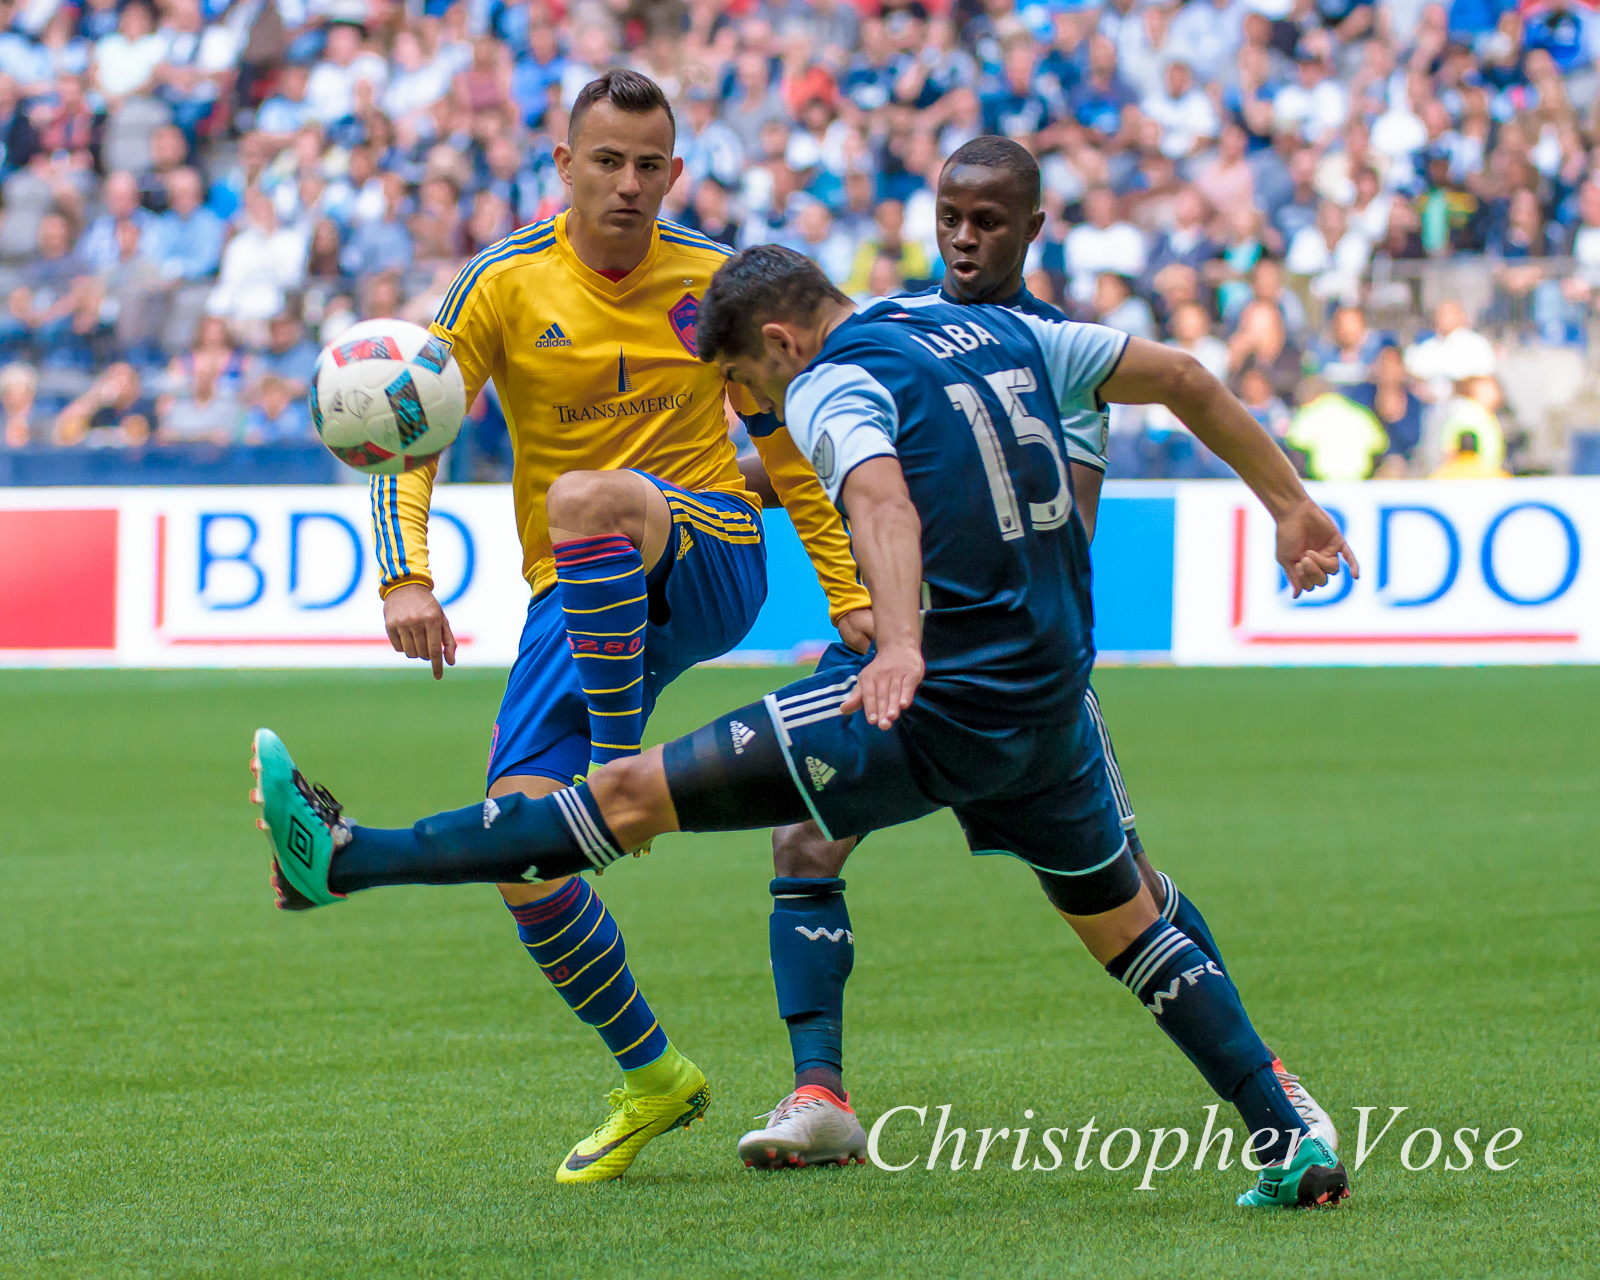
(1312, 1178)
(303, 824)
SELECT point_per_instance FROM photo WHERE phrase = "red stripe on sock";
(588, 546)
(543, 909)
(600, 557)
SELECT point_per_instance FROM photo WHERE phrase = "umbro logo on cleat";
(553, 337)
(821, 774)
(742, 734)
(300, 842)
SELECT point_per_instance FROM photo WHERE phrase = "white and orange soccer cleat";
(811, 1126)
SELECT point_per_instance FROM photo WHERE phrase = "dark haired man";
(642, 545)
(987, 215)
(937, 428)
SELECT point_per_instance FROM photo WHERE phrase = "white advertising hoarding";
(262, 577)
(1452, 572)
(1460, 572)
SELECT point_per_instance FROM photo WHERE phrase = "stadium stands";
(192, 191)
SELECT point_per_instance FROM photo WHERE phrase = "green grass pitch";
(1400, 867)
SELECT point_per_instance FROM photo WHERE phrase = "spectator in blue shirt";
(1387, 392)
(1018, 109)
(278, 415)
(869, 80)
(186, 241)
(58, 299)
(1098, 101)
(710, 149)
(98, 248)
(384, 244)
(289, 355)
(286, 112)
(540, 66)
(1208, 34)
(99, 19)
(940, 68)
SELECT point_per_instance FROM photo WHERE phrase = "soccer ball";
(386, 396)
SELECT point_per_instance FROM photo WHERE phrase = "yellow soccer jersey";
(595, 375)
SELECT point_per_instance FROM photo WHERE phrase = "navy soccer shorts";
(1040, 794)
(705, 592)
(1091, 704)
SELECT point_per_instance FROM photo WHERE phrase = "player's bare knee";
(802, 850)
(594, 502)
(632, 793)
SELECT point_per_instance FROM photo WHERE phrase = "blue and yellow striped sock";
(604, 597)
(577, 945)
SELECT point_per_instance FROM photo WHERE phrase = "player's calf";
(1197, 1006)
(813, 951)
(800, 850)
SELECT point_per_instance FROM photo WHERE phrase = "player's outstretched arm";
(1309, 543)
(415, 623)
(886, 535)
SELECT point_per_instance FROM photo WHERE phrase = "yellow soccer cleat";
(610, 1150)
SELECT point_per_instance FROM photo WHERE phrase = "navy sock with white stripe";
(495, 842)
(813, 951)
(1197, 1006)
(577, 945)
(606, 603)
(1186, 916)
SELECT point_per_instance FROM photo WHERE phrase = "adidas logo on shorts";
(821, 774)
(553, 337)
(742, 733)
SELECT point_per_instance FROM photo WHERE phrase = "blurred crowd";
(195, 195)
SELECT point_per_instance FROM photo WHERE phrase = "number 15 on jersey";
(1009, 386)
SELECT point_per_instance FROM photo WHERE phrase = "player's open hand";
(1310, 547)
(887, 685)
(417, 626)
(856, 630)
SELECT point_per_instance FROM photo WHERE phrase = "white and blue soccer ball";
(386, 396)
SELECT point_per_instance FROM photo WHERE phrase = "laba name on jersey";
(959, 335)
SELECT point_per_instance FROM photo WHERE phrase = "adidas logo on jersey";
(821, 774)
(553, 337)
(742, 733)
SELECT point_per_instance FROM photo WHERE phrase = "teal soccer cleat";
(1314, 1178)
(302, 822)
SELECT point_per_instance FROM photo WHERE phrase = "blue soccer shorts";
(705, 592)
(1041, 794)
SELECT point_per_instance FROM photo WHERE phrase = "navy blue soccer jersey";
(970, 399)
(1088, 428)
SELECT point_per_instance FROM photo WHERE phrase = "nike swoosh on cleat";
(576, 1162)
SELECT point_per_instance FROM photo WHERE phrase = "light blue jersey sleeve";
(839, 415)
(1078, 358)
